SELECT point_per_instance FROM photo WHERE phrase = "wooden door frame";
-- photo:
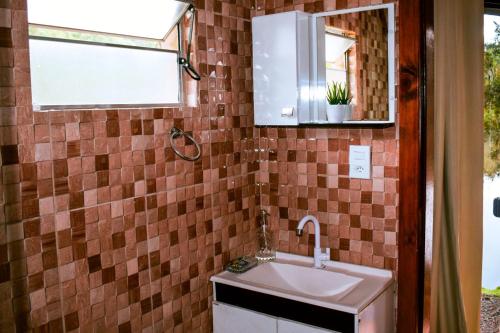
(416, 111)
(415, 105)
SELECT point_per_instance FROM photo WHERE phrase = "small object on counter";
(241, 264)
(266, 250)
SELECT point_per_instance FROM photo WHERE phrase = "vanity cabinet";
(246, 311)
(289, 295)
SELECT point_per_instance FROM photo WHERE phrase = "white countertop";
(374, 282)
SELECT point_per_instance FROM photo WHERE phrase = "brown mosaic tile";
(9, 155)
(115, 233)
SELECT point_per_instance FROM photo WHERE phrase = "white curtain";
(458, 165)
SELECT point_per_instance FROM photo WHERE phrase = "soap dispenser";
(266, 250)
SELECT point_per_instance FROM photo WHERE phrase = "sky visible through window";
(489, 28)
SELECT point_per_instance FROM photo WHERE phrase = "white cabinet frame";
(318, 104)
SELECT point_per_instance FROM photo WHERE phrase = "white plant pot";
(348, 112)
(338, 113)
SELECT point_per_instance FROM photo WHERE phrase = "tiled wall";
(103, 228)
(305, 171)
(374, 72)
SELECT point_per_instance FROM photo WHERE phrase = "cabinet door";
(287, 326)
(231, 319)
(274, 44)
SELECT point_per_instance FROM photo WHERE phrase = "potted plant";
(339, 98)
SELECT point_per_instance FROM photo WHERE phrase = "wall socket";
(359, 162)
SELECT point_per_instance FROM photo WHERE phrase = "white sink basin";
(305, 280)
(340, 286)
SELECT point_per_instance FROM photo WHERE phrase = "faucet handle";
(325, 256)
(320, 256)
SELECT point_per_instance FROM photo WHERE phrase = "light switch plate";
(359, 162)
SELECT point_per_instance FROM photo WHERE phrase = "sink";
(339, 286)
(301, 279)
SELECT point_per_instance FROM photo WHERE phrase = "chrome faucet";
(319, 256)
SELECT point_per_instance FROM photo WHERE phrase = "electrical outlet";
(359, 162)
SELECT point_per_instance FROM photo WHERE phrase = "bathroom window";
(337, 48)
(94, 53)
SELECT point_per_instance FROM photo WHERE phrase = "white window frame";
(178, 52)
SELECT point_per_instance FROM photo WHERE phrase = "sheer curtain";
(458, 165)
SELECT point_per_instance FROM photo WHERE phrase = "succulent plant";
(338, 94)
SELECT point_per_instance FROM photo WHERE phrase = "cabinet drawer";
(230, 319)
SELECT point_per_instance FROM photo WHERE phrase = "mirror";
(355, 52)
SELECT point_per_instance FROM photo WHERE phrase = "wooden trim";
(413, 21)
(429, 176)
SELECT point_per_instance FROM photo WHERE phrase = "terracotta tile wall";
(305, 171)
(103, 228)
(374, 69)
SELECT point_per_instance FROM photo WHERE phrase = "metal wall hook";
(176, 132)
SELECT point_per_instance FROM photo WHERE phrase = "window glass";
(336, 46)
(65, 73)
(335, 55)
(145, 18)
(91, 53)
(96, 37)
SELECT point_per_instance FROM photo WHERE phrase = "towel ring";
(174, 133)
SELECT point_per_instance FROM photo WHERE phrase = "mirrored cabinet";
(281, 68)
(334, 67)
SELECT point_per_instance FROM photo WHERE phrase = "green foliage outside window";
(492, 106)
